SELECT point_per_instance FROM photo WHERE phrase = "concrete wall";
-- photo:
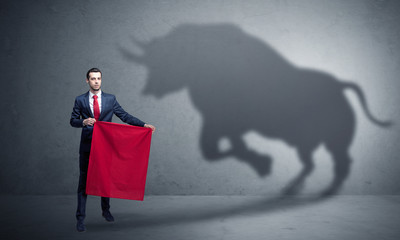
(243, 93)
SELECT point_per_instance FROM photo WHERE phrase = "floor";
(205, 217)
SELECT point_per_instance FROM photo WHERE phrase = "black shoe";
(107, 215)
(80, 226)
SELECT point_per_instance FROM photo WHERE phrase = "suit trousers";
(82, 196)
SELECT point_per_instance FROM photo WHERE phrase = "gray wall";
(243, 93)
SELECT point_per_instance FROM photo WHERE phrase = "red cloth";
(118, 161)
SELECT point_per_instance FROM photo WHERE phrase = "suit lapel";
(104, 103)
(86, 103)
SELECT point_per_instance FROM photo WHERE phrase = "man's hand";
(89, 122)
(150, 126)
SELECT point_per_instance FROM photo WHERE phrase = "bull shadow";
(239, 83)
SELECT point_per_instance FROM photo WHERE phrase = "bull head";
(164, 73)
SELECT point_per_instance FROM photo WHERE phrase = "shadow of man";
(238, 83)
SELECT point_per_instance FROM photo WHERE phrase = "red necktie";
(96, 109)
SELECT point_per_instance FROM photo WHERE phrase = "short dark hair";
(92, 70)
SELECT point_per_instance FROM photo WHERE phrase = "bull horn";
(139, 43)
(131, 55)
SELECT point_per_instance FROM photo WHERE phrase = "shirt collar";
(91, 94)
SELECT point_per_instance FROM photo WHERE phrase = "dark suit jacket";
(109, 106)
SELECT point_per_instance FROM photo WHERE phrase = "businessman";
(95, 105)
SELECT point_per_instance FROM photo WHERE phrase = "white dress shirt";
(91, 100)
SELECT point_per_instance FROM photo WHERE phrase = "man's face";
(94, 81)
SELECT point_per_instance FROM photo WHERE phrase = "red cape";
(118, 161)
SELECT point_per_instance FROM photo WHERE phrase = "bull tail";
(364, 105)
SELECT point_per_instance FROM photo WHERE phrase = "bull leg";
(341, 171)
(209, 145)
(260, 163)
(308, 166)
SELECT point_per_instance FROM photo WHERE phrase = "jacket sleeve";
(124, 116)
(76, 120)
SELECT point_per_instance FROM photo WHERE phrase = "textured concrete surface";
(205, 217)
(207, 71)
